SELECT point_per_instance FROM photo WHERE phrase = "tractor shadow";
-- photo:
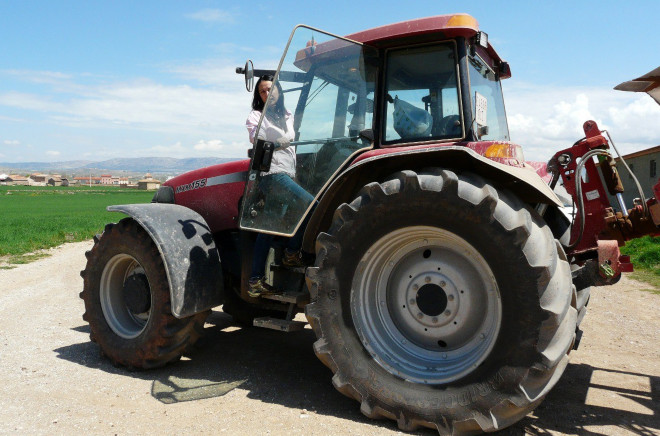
(569, 410)
(273, 367)
(281, 368)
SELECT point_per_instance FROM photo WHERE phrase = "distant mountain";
(152, 165)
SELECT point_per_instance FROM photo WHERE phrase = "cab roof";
(427, 29)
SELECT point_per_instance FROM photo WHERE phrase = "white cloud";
(547, 119)
(53, 153)
(11, 142)
(188, 112)
(48, 77)
(213, 145)
(173, 150)
(212, 16)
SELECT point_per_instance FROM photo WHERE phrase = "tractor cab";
(372, 90)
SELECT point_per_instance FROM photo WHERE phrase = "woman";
(277, 183)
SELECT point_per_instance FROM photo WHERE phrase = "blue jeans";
(281, 188)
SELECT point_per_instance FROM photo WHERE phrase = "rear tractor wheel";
(440, 301)
(127, 301)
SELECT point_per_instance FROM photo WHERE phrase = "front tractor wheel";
(441, 301)
(127, 300)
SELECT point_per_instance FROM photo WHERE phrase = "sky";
(97, 80)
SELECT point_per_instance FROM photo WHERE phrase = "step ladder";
(293, 298)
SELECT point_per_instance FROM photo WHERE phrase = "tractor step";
(289, 297)
(299, 270)
(279, 324)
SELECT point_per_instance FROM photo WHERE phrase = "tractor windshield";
(324, 99)
(487, 101)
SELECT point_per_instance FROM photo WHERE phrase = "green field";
(35, 218)
(645, 255)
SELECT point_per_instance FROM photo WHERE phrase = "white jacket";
(284, 159)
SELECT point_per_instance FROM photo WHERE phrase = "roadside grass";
(37, 218)
(645, 255)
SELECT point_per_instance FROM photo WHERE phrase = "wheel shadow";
(281, 368)
(273, 367)
(566, 409)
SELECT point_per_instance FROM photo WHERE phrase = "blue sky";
(97, 80)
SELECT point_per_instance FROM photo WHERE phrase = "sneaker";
(258, 288)
(292, 259)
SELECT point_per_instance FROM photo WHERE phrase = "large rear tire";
(441, 301)
(127, 301)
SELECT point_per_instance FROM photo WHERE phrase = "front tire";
(440, 301)
(127, 301)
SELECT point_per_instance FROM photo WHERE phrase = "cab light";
(463, 21)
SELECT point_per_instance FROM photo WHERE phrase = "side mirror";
(248, 71)
(482, 131)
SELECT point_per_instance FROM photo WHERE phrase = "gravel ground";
(255, 381)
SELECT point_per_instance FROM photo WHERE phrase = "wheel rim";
(426, 305)
(120, 318)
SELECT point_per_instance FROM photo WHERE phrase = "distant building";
(644, 164)
(38, 180)
(148, 183)
(15, 179)
(88, 180)
(54, 180)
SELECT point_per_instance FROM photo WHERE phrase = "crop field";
(34, 218)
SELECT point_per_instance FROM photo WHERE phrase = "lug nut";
(447, 312)
(427, 279)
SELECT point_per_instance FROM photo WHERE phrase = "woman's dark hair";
(258, 104)
(277, 115)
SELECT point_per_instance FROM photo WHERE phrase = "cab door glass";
(422, 99)
(327, 86)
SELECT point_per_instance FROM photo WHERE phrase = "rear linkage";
(598, 231)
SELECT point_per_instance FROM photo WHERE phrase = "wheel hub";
(426, 304)
(431, 300)
(136, 293)
(125, 296)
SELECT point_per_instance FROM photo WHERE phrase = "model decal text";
(190, 186)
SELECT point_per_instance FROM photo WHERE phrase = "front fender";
(379, 163)
(189, 253)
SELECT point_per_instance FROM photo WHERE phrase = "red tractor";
(447, 284)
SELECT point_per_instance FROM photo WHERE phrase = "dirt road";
(254, 381)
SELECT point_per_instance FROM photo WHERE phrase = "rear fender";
(524, 182)
(189, 253)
